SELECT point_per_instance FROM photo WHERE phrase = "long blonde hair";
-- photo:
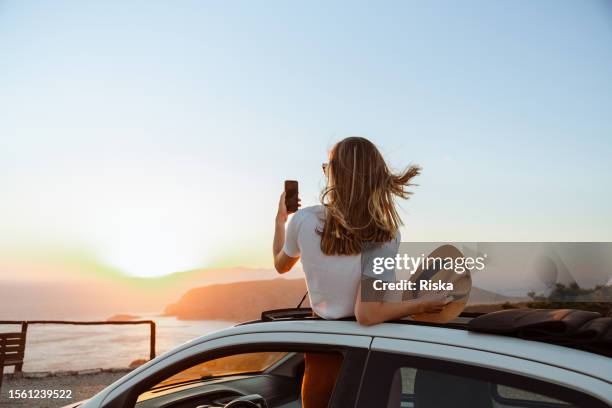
(359, 197)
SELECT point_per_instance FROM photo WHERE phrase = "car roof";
(571, 359)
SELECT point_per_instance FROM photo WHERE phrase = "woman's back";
(332, 280)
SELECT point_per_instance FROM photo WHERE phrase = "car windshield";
(224, 366)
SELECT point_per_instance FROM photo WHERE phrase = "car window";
(279, 377)
(230, 365)
(405, 381)
(426, 388)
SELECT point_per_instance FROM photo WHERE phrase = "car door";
(415, 374)
(126, 392)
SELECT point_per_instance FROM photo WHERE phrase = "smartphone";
(291, 195)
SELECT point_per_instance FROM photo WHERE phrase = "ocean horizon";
(73, 348)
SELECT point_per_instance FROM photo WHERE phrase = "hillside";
(485, 297)
(237, 302)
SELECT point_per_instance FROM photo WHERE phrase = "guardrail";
(26, 323)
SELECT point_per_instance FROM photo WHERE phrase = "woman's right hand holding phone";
(282, 214)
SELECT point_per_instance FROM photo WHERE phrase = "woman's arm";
(369, 313)
(282, 262)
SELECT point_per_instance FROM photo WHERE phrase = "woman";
(357, 208)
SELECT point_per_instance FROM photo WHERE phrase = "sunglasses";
(324, 166)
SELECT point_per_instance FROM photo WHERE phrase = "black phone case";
(291, 195)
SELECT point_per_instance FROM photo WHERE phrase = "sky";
(148, 137)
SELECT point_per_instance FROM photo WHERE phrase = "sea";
(67, 347)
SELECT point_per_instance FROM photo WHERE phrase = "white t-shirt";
(332, 280)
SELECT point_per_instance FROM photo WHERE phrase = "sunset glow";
(152, 152)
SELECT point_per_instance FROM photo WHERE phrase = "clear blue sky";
(154, 136)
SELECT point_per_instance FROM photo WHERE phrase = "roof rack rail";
(297, 313)
(306, 313)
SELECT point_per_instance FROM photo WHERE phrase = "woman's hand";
(282, 262)
(433, 303)
(282, 214)
(369, 313)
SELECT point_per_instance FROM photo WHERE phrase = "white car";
(407, 364)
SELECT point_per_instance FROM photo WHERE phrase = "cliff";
(239, 301)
